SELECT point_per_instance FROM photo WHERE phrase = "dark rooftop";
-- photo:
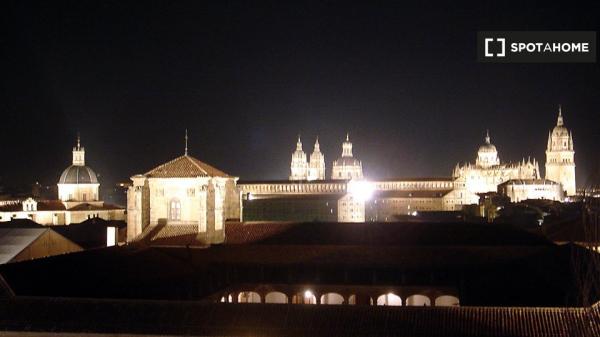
(203, 319)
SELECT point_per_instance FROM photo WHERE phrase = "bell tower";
(299, 165)
(78, 153)
(316, 166)
(560, 156)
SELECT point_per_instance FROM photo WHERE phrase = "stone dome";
(78, 174)
(487, 148)
(347, 161)
(560, 131)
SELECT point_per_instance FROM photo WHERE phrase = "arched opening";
(447, 301)
(418, 301)
(332, 298)
(352, 300)
(248, 297)
(389, 299)
(276, 297)
(307, 297)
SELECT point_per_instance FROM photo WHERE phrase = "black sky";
(246, 77)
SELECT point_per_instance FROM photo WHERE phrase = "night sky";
(246, 77)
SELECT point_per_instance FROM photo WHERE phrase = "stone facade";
(301, 169)
(78, 199)
(488, 172)
(560, 156)
(523, 189)
(347, 167)
(183, 192)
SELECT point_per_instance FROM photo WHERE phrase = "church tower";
(78, 154)
(560, 156)
(316, 167)
(347, 167)
(299, 166)
(78, 183)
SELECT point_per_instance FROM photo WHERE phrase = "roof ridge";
(163, 164)
(193, 161)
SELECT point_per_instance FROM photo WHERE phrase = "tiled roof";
(92, 207)
(42, 205)
(185, 167)
(171, 235)
(529, 182)
(379, 234)
(62, 315)
(249, 232)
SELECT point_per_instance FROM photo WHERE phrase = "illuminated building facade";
(523, 189)
(488, 172)
(560, 156)
(301, 169)
(78, 199)
(350, 200)
(347, 167)
(183, 194)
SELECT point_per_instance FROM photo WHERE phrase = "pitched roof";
(185, 167)
(42, 205)
(88, 207)
(14, 240)
(172, 235)
(63, 315)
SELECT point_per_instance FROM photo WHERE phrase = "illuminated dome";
(77, 174)
(347, 167)
(487, 155)
(560, 130)
(347, 161)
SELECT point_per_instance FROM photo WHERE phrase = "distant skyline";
(245, 78)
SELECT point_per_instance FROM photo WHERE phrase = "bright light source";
(414, 213)
(308, 294)
(111, 236)
(361, 190)
(250, 196)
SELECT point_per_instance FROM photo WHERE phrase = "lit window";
(175, 210)
(191, 192)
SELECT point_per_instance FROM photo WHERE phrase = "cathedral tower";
(299, 166)
(316, 167)
(560, 156)
(347, 167)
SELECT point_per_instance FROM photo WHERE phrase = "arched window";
(332, 298)
(248, 297)
(389, 299)
(276, 297)
(418, 300)
(447, 301)
(175, 210)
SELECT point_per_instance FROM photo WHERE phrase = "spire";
(347, 147)
(299, 144)
(487, 136)
(571, 140)
(78, 140)
(186, 143)
(559, 121)
(317, 147)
